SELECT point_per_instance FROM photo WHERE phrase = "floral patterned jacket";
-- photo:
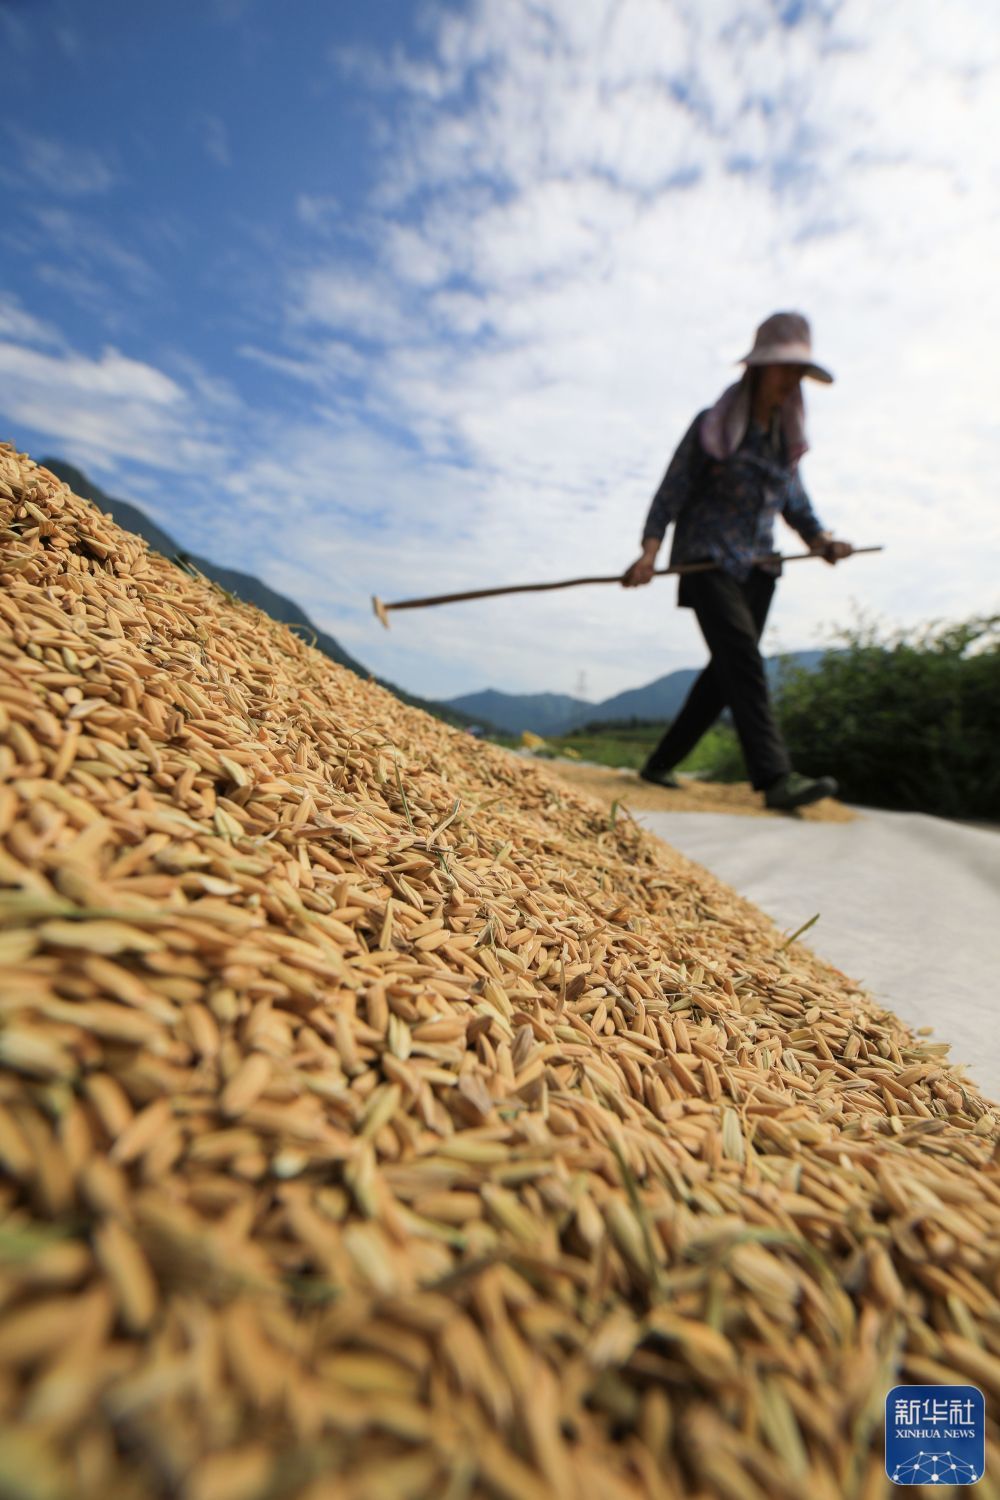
(726, 510)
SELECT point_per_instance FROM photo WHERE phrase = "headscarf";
(724, 426)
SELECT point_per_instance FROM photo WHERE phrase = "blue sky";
(398, 298)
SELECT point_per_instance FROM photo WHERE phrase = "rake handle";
(572, 583)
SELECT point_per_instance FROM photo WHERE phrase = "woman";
(734, 471)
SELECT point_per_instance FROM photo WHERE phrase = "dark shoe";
(794, 790)
(660, 778)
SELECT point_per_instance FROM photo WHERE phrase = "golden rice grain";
(128, 1274)
(246, 1085)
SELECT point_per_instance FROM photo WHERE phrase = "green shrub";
(908, 721)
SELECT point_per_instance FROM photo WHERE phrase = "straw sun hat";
(784, 339)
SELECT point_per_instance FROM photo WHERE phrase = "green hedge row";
(910, 721)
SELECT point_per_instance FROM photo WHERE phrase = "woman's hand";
(639, 573)
(829, 548)
(642, 569)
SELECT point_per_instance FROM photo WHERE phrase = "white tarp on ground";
(909, 906)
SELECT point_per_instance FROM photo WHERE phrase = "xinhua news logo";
(935, 1434)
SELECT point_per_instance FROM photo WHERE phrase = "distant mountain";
(543, 713)
(557, 713)
(244, 585)
(657, 700)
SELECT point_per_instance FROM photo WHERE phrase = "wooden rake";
(382, 610)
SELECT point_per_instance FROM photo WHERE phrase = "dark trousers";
(731, 616)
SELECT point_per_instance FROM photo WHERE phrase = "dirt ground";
(615, 785)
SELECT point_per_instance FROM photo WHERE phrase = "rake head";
(380, 610)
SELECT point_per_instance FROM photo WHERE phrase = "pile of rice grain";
(380, 1119)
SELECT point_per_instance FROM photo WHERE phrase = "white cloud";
(322, 365)
(76, 254)
(350, 300)
(70, 171)
(106, 410)
(114, 374)
(316, 210)
(387, 74)
(414, 258)
(83, 288)
(211, 393)
(82, 240)
(23, 327)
